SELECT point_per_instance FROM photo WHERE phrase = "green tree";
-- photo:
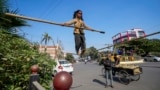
(156, 44)
(92, 52)
(69, 57)
(46, 38)
(145, 45)
(8, 22)
(3, 9)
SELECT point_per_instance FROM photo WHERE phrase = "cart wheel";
(124, 77)
(136, 77)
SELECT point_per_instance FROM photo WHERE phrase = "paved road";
(88, 77)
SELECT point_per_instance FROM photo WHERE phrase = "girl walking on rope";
(79, 35)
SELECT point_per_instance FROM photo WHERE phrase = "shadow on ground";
(99, 82)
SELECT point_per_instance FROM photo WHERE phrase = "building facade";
(128, 35)
(53, 51)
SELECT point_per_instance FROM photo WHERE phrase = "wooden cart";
(127, 73)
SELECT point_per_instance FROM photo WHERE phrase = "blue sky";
(111, 16)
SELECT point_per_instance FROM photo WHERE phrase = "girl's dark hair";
(75, 13)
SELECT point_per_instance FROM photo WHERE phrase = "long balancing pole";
(49, 22)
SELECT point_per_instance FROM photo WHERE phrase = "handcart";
(127, 73)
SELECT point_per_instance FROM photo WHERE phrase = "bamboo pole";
(49, 22)
(131, 40)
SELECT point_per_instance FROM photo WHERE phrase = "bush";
(16, 57)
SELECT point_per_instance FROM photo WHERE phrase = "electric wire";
(50, 8)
